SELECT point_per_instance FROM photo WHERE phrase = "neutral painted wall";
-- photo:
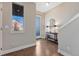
(13, 40)
(63, 12)
(68, 36)
(42, 23)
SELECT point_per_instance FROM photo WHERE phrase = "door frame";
(0, 28)
(40, 27)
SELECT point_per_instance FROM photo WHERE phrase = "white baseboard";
(16, 49)
(0, 52)
(63, 52)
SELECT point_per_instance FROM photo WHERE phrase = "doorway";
(37, 26)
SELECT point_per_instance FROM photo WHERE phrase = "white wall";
(69, 38)
(13, 40)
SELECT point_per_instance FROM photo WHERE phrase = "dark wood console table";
(52, 37)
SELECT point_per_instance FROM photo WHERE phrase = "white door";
(0, 26)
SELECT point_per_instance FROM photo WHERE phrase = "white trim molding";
(63, 52)
(70, 21)
(16, 49)
(0, 52)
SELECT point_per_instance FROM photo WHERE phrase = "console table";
(52, 37)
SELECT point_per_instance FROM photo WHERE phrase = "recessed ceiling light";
(47, 4)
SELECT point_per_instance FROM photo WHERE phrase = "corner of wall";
(63, 52)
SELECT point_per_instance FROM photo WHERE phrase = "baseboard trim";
(16, 49)
(0, 52)
(63, 52)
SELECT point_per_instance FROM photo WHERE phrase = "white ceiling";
(42, 7)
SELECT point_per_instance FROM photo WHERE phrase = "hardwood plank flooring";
(42, 48)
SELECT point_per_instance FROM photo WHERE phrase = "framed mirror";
(52, 23)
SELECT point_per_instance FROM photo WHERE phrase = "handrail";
(72, 19)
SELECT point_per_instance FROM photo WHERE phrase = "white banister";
(70, 21)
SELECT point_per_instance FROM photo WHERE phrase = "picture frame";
(17, 18)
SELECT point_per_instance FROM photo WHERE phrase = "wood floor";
(42, 48)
